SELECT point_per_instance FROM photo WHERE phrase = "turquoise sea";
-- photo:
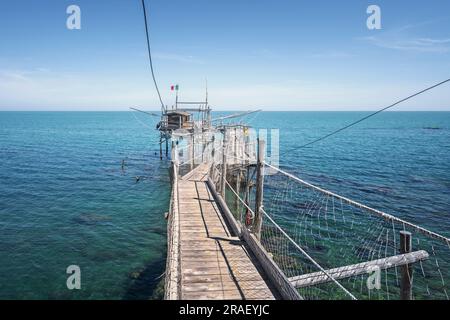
(65, 199)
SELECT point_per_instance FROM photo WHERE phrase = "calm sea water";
(64, 198)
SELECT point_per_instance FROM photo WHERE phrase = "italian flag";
(175, 87)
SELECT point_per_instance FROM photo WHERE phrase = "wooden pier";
(213, 262)
(215, 253)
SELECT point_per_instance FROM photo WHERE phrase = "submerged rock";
(91, 218)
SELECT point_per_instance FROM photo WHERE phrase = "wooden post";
(172, 154)
(235, 144)
(203, 144)
(193, 150)
(259, 188)
(406, 270)
(213, 148)
(238, 191)
(167, 147)
(175, 158)
(160, 147)
(224, 164)
(247, 195)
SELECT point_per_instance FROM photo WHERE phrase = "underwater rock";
(158, 292)
(134, 274)
(319, 247)
(91, 218)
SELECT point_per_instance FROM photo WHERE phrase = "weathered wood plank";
(206, 271)
(228, 295)
(224, 285)
(192, 278)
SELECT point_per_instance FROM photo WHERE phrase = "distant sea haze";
(64, 198)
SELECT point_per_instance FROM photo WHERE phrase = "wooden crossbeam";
(353, 270)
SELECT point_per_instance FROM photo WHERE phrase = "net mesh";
(309, 232)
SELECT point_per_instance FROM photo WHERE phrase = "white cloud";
(49, 90)
(412, 44)
(407, 38)
(45, 89)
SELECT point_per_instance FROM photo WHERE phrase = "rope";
(370, 115)
(141, 122)
(293, 242)
(357, 204)
(307, 255)
(239, 198)
(150, 55)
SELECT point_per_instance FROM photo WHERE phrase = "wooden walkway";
(214, 264)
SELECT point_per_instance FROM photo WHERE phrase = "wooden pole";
(167, 146)
(224, 164)
(175, 158)
(193, 150)
(213, 148)
(203, 145)
(235, 144)
(173, 151)
(212, 160)
(238, 191)
(406, 270)
(247, 194)
(160, 147)
(259, 188)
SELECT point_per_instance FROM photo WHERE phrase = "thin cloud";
(401, 38)
(430, 45)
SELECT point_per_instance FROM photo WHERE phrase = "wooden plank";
(204, 235)
(209, 254)
(224, 285)
(207, 250)
(319, 277)
(228, 295)
(192, 278)
(236, 263)
(206, 271)
(229, 252)
(201, 224)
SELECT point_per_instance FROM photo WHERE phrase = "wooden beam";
(224, 165)
(353, 270)
(259, 189)
(406, 269)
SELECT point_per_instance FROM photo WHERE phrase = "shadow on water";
(147, 284)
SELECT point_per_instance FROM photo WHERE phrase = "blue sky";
(275, 55)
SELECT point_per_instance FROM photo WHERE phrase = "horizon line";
(234, 110)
